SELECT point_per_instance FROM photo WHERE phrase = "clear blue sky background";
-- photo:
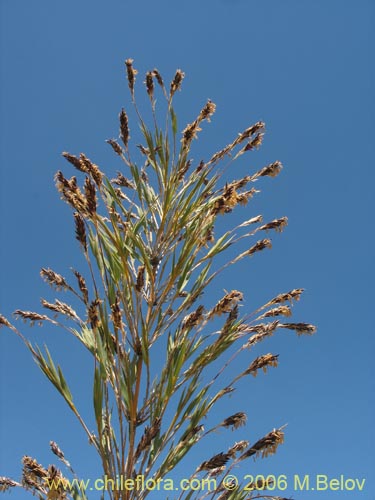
(302, 66)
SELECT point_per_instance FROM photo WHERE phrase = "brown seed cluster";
(192, 129)
(287, 297)
(55, 280)
(266, 445)
(149, 434)
(300, 328)
(194, 318)
(131, 73)
(85, 165)
(259, 246)
(216, 461)
(176, 82)
(226, 304)
(260, 331)
(235, 421)
(80, 230)
(122, 181)
(124, 128)
(262, 362)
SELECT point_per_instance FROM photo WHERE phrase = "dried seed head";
(4, 321)
(55, 280)
(271, 170)
(238, 447)
(80, 230)
(6, 483)
(259, 246)
(115, 146)
(92, 169)
(91, 199)
(277, 224)
(300, 328)
(277, 311)
(254, 143)
(149, 434)
(235, 421)
(140, 279)
(262, 362)
(93, 313)
(287, 297)
(70, 192)
(120, 180)
(61, 308)
(31, 466)
(117, 315)
(190, 133)
(158, 77)
(193, 319)
(31, 316)
(192, 433)
(216, 472)
(82, 286)
(262, 331)
(56, 450)
(216, 461)
(150, 84)
(176, 82)
(265, 446)
(124, 128)
(76, 162)
(226, 304)
(253, 220)
(207, 111)
(131, 72)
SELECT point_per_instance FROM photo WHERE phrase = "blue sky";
(301, 66)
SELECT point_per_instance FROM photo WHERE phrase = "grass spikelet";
(54, 279)
(176, 82)
(300, 328)
(216, 461)
(271, 170)
(193, 319)
(277, 311)
(115, 146)
(60, 308)
(82, 286)
(277, 224)
(92, 169)
(31, 316)
(259, 246)
(80, 230)
(287, 297)
(91, 199)
(124, 128)
(262, 362)
(4, 321)
(235, 421)
(226, 304)
(93, 313)
(6, 483)
(131, 73)
(260, 331)
(265, 446)
(140, 279)
(122, 181)
(150, 84)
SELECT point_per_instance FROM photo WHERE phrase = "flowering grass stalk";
(148, 237)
